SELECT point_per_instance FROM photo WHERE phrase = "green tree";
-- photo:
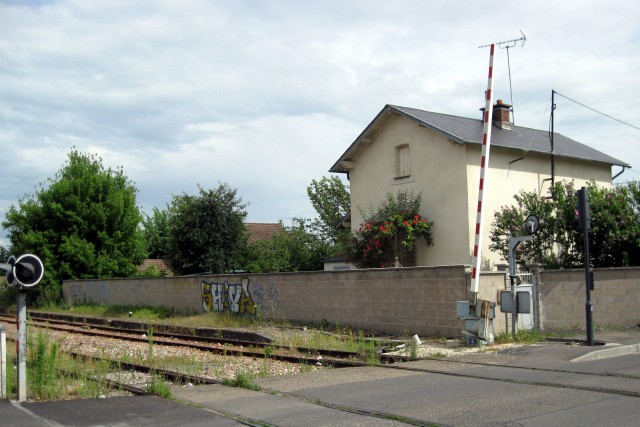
(330, 198)
(157, 235)
(207, 232)
(294, 249)
(614, 238)
(4, 253)
(83, 224)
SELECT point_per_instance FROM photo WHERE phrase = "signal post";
(24, 272)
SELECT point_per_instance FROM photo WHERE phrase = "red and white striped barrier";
(484, 163)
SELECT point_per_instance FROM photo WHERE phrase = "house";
(438, 156)
(262, 231)
(160, 265)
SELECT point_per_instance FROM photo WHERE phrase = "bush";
(393, 227)
(614, 237)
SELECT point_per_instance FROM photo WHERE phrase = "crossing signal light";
(28, 270)
(11, 278)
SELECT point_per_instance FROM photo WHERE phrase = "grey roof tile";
(464, 130)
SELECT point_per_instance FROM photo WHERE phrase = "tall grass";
(54, 375)
(157, 385)
(42, 367)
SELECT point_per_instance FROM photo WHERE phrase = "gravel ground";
(183, 359)
(220, 367)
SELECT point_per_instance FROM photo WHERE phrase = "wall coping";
(574, 270)
(288, 273)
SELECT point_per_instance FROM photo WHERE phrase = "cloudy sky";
(266, 95)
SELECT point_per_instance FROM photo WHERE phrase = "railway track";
(439, 367)
(213, 342)
(217, 345)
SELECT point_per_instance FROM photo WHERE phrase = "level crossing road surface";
(547, 384)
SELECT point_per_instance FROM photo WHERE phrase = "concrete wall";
(420, 300)
(615, 299)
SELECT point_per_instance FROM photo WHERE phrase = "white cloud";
(266, 95)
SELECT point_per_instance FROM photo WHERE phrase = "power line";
(599, 112)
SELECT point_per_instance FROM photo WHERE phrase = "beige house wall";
(446, 174)
(507, 176)
(435, 174)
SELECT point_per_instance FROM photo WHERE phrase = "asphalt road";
(533, 386)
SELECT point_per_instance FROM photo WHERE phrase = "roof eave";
(612, 162)
(337, 167)
(353, 148)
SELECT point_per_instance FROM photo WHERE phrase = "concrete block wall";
(491, 283)
(419, 300)
(615, 299)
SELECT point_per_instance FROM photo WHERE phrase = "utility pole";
(584, 222)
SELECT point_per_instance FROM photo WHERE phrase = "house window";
(402, 161)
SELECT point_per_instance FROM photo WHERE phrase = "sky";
(266, 95)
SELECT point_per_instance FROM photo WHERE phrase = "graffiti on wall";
(77, 294)
(266, 296)
(229, 297)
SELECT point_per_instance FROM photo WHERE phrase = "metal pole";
(553, 157)
(3, 363)
(513, 242)
(584, 208)
(22, 345)
(484, 162)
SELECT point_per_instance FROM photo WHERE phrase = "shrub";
(392, 229)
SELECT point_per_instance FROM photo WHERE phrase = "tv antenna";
(511, 43)
(508, 44)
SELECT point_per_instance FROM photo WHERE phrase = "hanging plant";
(396, 224)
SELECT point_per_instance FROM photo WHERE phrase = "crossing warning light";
(28, 270)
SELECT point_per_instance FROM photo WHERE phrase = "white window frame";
(403, 161)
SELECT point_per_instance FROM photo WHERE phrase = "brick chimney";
(501, 115)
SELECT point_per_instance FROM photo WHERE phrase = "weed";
(324, 324)
(268, 351)
(412, 346)
(522, 336)
(438, 355)
(305, 368)
(372, 356)
(42, 367)
(150, 345)
(243, 380)
(263, 372)
(158, 387)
